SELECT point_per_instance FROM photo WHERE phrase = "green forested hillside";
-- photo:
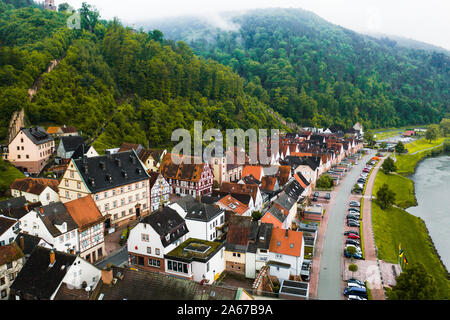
(317, 73)
(115, 82)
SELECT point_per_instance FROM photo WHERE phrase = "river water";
(432, 187)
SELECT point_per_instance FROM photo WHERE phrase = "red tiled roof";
(52, 130)
(84, 212)
(286, 242)
(255, 171)
(236, 206)
(34, 185)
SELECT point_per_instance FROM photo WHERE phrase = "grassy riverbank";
(394, 225)
(402, 186)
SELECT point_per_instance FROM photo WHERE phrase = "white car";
(353, 284)
(358, 249)
(355, 297)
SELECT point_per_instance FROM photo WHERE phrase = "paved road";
(330, 277)
(118, 259)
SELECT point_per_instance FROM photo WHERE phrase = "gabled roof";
(38, 279)
(238, 233)
(12, 203)
(202, 212)
(167, 222)
(255, 171)
(111, 171)
(294, 189)
(37, 135)
(80, 151)
(56, 214)
(276, 212)
(183, 171)
(287, 242)
(259, 237)
(10, 253)
(233, 204)
(34, 185)
(69, 129)
(268, 183)
(53, 130)
(147, 285)
(236, 188)
(126, 146)
(301, 180)
(71, 143)
(6, 223)
(19, 212)
(284, 173)
(29, 242)
(84, 212)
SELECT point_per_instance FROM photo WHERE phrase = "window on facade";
(122, 202)
(106, 194)
(9, 265)
(61, 239)
(3, 294)
(2, 281)
(18, 156)
(123, 213)
(144, 237)
(207, 267)
(79, 185)
(114, 192)
(106, 206)
(67, 194)
(115, 216)
(130, 211)
(149, 250)
(96, 197)
(115, 204)
(157, 251)
(71, 174)
(67, 182)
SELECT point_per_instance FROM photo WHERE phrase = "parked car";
(354, 203)
(346, 233)
(362, 292)
(352, 241)
(353, 236)
(316, 194)
(352, 223)
(314, 199)
(355, 285)
(357, 190)
(361, 180)
(353, 217)
(328, 196)
(356, 281)
(357, 248)
(355, 297)
(349, 255)
(354, 209)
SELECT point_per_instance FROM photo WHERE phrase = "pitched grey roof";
(37, 134)
(260, 235)
(39, 280)
(167, 222)
(111, 171)
(71, 143)
(12, 203)
(200, 211)
(56, 214)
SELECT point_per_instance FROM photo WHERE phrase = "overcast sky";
(423, 20)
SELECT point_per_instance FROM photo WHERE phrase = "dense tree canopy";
(317, 73)
(114, 83)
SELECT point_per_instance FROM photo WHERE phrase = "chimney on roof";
(107, 276)
(22, 243)
(52, 257)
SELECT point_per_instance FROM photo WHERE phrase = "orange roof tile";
(233, 205)
(286, 242)
(52, 130)
(255, 171)
(84, 212)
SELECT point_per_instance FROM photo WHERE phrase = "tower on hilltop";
(50, 5)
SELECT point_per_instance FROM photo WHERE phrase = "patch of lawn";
(406, 164)
(422, 144)
(403, 188)
(8, 173)
(394, 226)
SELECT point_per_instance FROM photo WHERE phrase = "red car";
(353, 236)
